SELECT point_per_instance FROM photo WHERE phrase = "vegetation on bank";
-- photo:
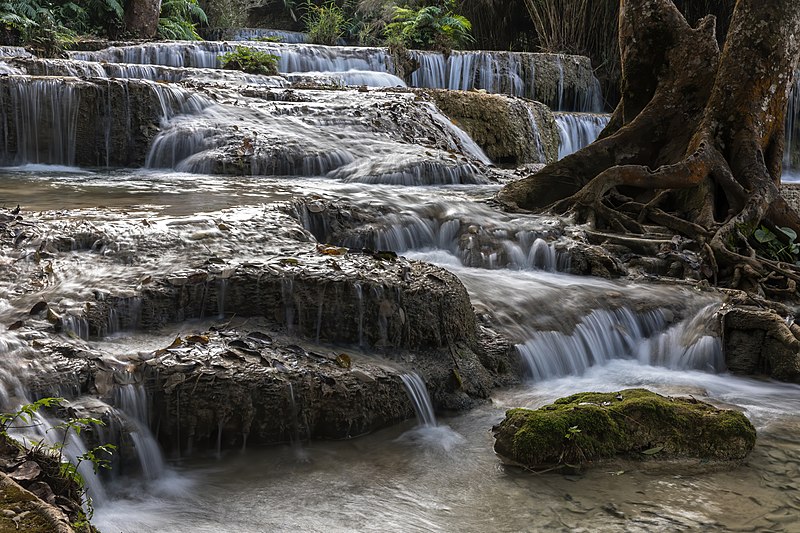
(251, 61)
(51, 26)
(55, 471)
(634, 423)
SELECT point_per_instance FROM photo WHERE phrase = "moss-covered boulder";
(512, 131)
(633, 424)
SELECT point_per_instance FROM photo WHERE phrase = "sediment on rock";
(588, 428)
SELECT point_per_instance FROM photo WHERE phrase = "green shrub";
(325, 24)
(251, 61)
(431, 27)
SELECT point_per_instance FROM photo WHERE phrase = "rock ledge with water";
(591, 427)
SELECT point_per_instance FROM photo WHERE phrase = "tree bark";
(696, 141)
(141, 18)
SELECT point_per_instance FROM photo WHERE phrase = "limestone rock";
(760, 341)
(511, 131)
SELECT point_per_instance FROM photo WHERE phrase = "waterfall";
(14, 370)
(131, 400)
(70, 122)
(418, 394)
(434, 228)
(576, 130)
(791, 153)
(42, 117)
(253, 34)
(562, 82)
(604, 335)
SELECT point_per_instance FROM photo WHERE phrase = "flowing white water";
(576, 130)
(563, 82)
(418, 394)
(132, 401)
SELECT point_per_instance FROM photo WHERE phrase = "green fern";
(179, 19)
(430, 27)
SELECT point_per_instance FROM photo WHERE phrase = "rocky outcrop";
(761, 341)
(243, 387)
(511, 131)
(588, 428)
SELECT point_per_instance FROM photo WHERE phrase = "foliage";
(429, 27)
(24, 417)
(228, 13)
(325, 24)
(19, 15)
(179, 19)
(250, 60)
(780, 248)
(51, 26)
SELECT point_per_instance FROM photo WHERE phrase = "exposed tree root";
(703, 163)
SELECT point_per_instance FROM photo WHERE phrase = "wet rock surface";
(588, 428)
(363, 318)
(511, 131)
(761, 341)
(241, 386)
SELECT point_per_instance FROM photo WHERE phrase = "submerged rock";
(590, 427)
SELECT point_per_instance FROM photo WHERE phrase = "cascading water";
(131, 400)
(418, 394)
(581, 334)
(33, 105)
(253, 34)
(791, 153)
(562, 82)
(606, 335)
(577, 130)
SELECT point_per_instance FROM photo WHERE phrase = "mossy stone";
(622, 424)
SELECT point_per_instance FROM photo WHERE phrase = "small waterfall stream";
(418, 394)
(577, 130)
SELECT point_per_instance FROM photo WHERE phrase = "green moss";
(15, 500)
(625, 423)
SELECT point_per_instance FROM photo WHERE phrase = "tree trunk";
(696, 141)
(141, 18)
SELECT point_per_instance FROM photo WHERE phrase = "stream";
(444, 477)
(207, 186)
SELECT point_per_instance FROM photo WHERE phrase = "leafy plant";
(430, 27)
(48, 37)
(325, 24)
(24, 417)
(251, 61)
(775, 247)
(19, 15)
(179, 19)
